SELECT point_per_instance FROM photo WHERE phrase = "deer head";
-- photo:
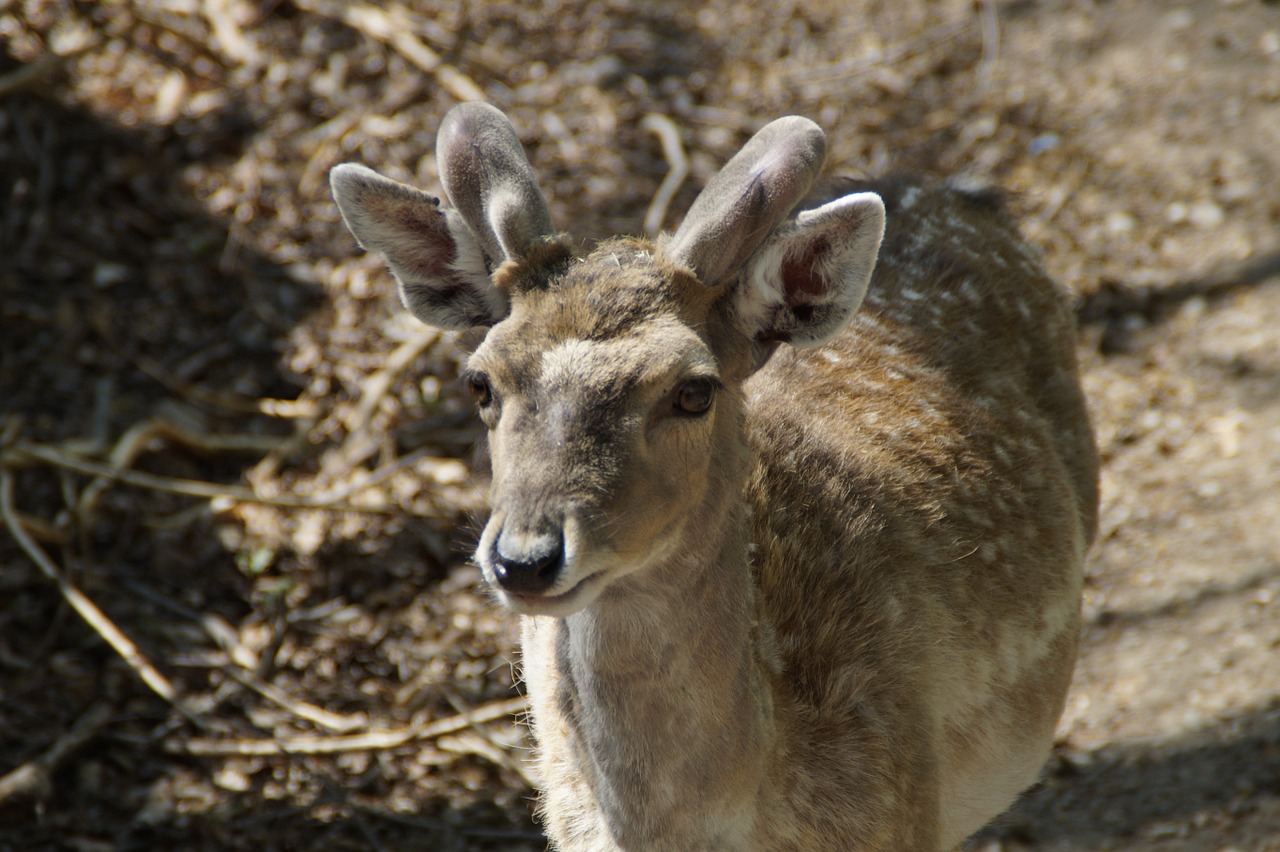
(611, 384)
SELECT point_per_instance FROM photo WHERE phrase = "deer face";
(610, 413)
(611, 385)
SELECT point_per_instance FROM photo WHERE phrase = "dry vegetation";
(239, 485)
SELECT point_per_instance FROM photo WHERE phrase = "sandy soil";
(183, 316)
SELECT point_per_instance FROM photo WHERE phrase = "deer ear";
(435, 256)
(487, 177)
(442, 256)
(804, 283)
(747, 199)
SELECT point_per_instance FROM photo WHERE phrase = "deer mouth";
(559, 605)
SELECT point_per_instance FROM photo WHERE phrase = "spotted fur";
(798, 549)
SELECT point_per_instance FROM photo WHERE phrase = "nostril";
(532, 572)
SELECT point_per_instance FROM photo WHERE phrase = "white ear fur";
(805, 282)
(434, 254)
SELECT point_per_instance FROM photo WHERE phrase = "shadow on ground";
(1159, 791)
(125, 304)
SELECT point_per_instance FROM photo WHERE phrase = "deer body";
(786, 584)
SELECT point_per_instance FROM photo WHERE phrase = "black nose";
(529, 573)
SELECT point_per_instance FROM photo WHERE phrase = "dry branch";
(482, 743)
(379, 384)
(990, 24)
(835, 75)
(368, 741)
(139, 437)
(33, 776)
(281, 408)
(40, 529)
(227, 33)
(29, 75)
(391, 25)
(24, 451)
(1056, 197)
(669, 135)
(301, 709)
(86, 608)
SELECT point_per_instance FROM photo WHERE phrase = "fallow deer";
(798, 548)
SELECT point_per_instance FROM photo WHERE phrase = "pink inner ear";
(426, 248)
(800, 277)
(437, 248)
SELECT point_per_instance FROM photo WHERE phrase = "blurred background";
(240, 486)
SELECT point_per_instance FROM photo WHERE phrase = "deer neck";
(661, 689)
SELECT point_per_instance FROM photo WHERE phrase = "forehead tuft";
(623, 306)
(620, 286)
(542, 261)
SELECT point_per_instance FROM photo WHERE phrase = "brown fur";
(839, 609)
(913, 509)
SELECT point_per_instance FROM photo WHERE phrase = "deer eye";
(694, 396)
(481, 390)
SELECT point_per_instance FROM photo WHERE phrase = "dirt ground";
(240, 485)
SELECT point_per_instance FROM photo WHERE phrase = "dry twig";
(189, 487)
(40, 529)
(138, 438)
(669, 135)
(328, 137)
(990, 24)
(301, 709)
(1057, 197)
(370, 740)
(86, 608)
(391, 25)
(482, 743)
(227, 33)
(838, 74)
(33, 776)
(379, 384)
(282, 408)
(29, 75)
